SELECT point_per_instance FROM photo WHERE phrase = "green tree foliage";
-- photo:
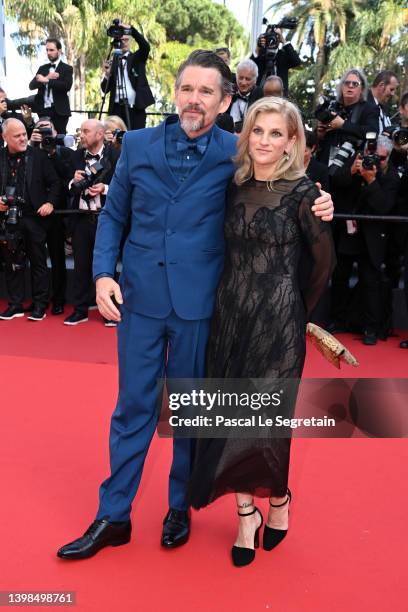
(334, 35)
(173, 29)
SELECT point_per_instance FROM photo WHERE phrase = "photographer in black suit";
(53, 81)
(28, 175)
(135, 88)
(355, 117)
(93, 151)
(44, 136)
(285, 58)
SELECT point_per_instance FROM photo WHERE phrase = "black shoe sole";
(87, 555)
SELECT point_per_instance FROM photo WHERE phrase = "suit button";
(160, 264)
(169, 232)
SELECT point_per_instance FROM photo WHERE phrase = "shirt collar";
(100, 152)
(180, 135)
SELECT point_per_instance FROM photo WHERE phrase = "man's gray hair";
(248, 64)
(359, 74)
(385, 143)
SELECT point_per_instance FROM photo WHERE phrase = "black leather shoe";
(37, 313)
(100, 534)
(176, 528)
(369, 338)
(57, 309)
(404, 344)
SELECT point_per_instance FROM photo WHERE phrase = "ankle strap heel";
(244, 556)
(272, 537)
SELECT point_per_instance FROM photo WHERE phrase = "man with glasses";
(357, 117)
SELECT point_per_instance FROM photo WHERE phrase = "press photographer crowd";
(54, 184)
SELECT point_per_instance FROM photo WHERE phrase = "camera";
(14, 204)
(93, 174)
(327, 109)
(15, 105)
(12, 245)
(370, 157)
(116, 30)
(118, 135)
(272, 37)
(400, 136)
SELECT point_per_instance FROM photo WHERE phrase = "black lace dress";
(258, 329)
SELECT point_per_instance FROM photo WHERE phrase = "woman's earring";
(286, 156)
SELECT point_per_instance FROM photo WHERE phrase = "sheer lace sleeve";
(317, 236)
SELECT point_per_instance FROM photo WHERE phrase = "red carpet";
(346, 549)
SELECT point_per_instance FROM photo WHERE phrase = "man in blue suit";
(172, 180)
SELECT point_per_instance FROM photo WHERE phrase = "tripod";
(117, 68)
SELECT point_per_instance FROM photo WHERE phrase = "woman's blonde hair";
(114, 122)
(290, 167)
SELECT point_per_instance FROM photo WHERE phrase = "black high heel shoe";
(272, 537)
(244, 556)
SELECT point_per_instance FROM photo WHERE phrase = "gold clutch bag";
(333, 350)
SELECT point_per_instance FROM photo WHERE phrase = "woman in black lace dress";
(259, 324)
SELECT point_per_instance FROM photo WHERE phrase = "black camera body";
(15, 205)
(272, 37)
(118, 135)
(370, 157)
(328, 108)
(93, 174)
(117, 31)
(12, 245)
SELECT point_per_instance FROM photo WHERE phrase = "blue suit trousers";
(149, 349)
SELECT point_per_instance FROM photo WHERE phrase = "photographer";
(126, 79)
(115, 129)
(94, 166)
(369, 186)
(348, 119)
(247, 93)
(45, 137)
(53, 82)
(275, 57)
(30, 190)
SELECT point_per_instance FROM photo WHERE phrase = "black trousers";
(56, 251)
(83, 242)
(59, 121)
(35, 233)
(137, 117)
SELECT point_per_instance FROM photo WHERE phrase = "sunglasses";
(382, 157)
(353, 84)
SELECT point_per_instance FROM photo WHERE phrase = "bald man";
(29, 176)
(83, 227)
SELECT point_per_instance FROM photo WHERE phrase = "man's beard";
(192, 125)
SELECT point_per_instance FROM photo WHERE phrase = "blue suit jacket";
(174, 254)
